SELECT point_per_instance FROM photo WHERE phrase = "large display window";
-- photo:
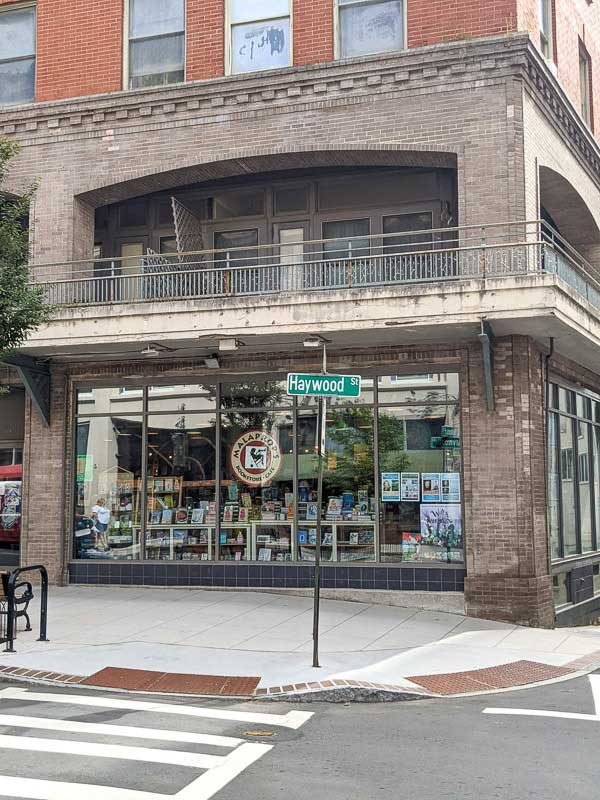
(228, 472)
(573, 472)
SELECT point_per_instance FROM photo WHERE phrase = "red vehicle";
(11, 479)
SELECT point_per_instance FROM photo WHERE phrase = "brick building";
(225, 189)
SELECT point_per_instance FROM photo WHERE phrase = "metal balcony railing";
(440, 256)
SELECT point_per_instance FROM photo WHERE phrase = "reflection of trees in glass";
(250, 395)
(432, 404)
(351, 464)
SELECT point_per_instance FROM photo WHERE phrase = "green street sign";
(447, 430)
(323, 385)
(452, 443)
(436, 442)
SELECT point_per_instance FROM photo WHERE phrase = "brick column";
(505, 489)
(61, 225)
(44, 494)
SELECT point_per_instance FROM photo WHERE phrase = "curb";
(327, 691)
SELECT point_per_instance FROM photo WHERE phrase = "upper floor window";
(366, 27)
(17, 55)
(259, 35)
(546, 37)
(585, 84)
(156, 42)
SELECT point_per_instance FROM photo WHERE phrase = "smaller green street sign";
(452, 443)
(323, 385)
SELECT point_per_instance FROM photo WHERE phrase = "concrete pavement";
(268, 636)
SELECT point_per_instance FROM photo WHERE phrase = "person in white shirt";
(101, 517)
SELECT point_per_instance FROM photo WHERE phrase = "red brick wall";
(79, 48)
(573, 20)
(313, 31)
(80, 42)
(434, 21)
(205, 39)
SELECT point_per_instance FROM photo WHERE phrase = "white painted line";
(595, 684)
(293, 719)
(93, 750)
(215, 779)
(33, 789)
(526, 712)
(96, 729)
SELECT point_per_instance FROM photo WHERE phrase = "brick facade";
(573, 21)
(507, 555)
(504, 480)
(80, 44)
(434, 22)
(487, 110)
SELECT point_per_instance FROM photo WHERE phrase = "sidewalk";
(250, 643)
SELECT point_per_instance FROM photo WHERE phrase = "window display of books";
(277, 538)
(234, 542)
(123, 526)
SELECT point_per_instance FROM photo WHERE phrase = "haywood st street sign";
(323, 385)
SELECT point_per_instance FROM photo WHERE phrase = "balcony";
(521, 277)
(442, 256)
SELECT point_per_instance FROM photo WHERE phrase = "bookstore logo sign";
(256, 458)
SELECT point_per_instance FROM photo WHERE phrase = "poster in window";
(441, 525)
(430, 487)
(450, 487)
(410, 490)
(390, 487)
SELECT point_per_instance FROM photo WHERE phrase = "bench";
(23, 596)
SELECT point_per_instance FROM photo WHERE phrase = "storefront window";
(257, 486)
(585, 486)
(421, 488)
(574, 472)
(108, 487)
(181, 507)
(568, 486)
(229, 472)
(554, 486)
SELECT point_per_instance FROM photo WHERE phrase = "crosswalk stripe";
(203, 788)
(98, 729)
(35, 789)
(69, 747)
(293, 719)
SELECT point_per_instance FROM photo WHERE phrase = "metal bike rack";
(11, 601)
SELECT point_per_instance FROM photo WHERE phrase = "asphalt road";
(423, 750)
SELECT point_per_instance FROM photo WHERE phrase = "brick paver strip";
(149, 681)
(517, 673)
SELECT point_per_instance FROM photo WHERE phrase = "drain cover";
(259, 733)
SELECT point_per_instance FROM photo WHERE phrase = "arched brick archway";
(568, 209)
(255, 162)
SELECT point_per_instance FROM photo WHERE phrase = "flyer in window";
(441, 525)
(390, 487)
(450, 487)
(430, 487)
(410, 490)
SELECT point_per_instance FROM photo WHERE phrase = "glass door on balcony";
(346, 259)
(291, 237)
(408, 254)
(236, 263)
(130, 284)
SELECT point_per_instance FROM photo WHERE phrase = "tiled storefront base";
(288, 576)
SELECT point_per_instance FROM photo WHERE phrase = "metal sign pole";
(321, 429)
(317, 594)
